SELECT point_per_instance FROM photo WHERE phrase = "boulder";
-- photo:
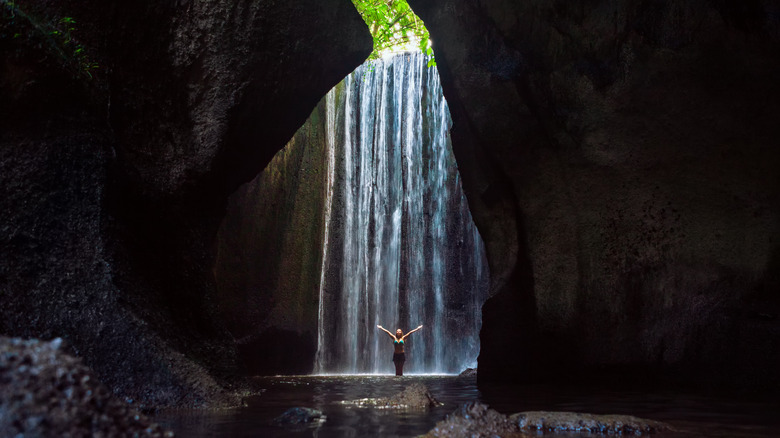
(300, 415)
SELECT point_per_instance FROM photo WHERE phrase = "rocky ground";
(46, 392)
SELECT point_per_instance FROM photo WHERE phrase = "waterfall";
(399, 246)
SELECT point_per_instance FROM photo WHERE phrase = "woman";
(399, 357)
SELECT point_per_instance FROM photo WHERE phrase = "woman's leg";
(399, 368)
(398, 360)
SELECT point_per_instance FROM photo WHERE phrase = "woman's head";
(399, 332)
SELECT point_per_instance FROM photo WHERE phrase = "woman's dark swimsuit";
(399, 357)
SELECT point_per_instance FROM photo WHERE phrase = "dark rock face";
(621, 164)
(278, 351)
(47, 392)
(112, 189)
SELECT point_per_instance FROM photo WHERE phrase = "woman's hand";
(420, 326)
(378, 326)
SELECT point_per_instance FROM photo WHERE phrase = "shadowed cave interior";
(619, 160)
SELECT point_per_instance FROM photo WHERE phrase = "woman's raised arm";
(410, 332)
(386, 331)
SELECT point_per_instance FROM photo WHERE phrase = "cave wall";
(114, 183)
(620, 159)
(269, 255)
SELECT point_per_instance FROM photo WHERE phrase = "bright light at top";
(412, 45)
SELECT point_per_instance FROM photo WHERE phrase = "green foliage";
(64, 29)
(56, 35)
(394, 26)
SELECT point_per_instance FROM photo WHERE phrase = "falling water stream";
(400, 247)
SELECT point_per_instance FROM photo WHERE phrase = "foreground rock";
(476, 420)
(545, 421)
(415, 396)
(46, 392)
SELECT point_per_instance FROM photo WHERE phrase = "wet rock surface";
(414, 396)
(546, 421)
(299, 415)
(46, 392)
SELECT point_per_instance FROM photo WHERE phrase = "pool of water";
(694, 416)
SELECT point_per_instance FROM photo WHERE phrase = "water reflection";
(694, 416)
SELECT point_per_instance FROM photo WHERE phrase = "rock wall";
(113, 187)
(620, 159)
(269, 256)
